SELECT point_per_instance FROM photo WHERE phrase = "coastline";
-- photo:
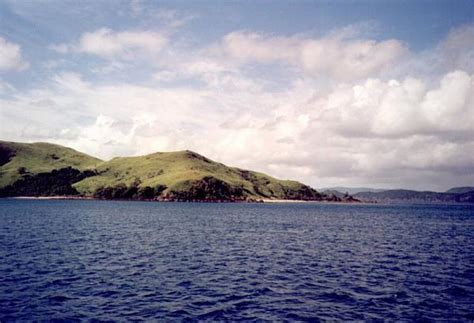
(270, 201)
(50, 197)
(285, 201)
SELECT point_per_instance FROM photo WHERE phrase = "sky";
(330, 93)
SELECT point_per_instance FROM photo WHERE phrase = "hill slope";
(46, 169)
(178, 173)
(18, 159)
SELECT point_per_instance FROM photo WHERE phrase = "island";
(50, 170)
(464, 194)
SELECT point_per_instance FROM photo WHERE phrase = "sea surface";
(114, 260)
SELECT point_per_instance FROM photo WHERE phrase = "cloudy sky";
(377, 93)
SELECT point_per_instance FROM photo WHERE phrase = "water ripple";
(108, 261)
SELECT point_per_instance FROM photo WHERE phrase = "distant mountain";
(464, 189)
(409, 196)
(334, 193)
(42, 169)
(351, 190)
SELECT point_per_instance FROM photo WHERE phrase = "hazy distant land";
(454, 195)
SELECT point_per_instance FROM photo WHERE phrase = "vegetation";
(54, 183)
(188, 175)
(41, 169)
(133, 192)
(17, 159)
(207, 188)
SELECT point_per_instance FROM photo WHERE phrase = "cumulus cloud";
(339, 119)
(402, 108)
(397, 132)
(10, 56)
(334, 56)
(107, 43)
(338, 56)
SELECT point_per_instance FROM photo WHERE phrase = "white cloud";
(166, 76)
(457, 50)
(398, 132)
(107, 43)
(334, 56)
(335, 116)
(349, 60)
(10, 56)
(402, 108)
(451, 106)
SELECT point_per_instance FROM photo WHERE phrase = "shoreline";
(261, 201)
(270, 201)
(49, 198)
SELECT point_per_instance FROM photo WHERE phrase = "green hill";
(18, 159)
(180, 171)
(47, 169)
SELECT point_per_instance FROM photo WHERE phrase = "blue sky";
(327, 92)
(35, 25)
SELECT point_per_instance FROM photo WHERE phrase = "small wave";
(456, 291)
(58, 298)
(176, 262)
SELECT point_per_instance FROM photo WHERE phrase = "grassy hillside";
(180, 172)
(17, 159)
(47, 169)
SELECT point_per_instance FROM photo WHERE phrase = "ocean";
(119, 260)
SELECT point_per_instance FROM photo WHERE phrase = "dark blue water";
(136, 260)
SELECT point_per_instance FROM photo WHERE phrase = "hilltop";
(42, 169)
(20, 159)
(188, 175)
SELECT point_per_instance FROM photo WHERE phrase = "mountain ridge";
(38, 169)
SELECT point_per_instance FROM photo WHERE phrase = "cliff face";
(42, 169)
